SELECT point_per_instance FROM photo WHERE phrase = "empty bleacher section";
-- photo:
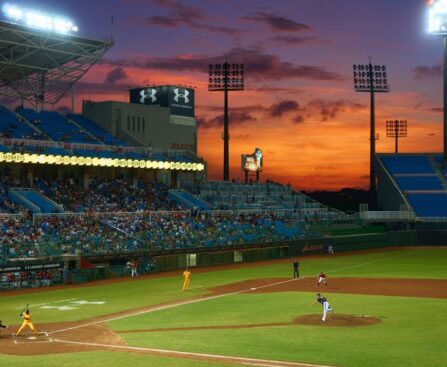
(429, 205)
(33, 200)
(50, 133)
(188, 200)
(407, 164)
(57, 127)
(11, 126)
(101, 135)
(418, 180)
(238, 196)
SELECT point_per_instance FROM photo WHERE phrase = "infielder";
(186, 279)
(322, 279)
(27, 321)
(326, 306)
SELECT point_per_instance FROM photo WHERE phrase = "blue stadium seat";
(100, 133)
(11, 126)
(429, 205)
(419, 183)
(408, 164)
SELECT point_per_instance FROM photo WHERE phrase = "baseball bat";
(26, 308)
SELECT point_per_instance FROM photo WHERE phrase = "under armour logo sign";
(148, 94)
(183, 95)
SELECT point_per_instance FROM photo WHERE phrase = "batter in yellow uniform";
(186, 279)
(27, 321)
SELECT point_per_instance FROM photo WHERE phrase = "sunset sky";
(299, 105)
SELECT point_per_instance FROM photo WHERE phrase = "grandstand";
(414, 181)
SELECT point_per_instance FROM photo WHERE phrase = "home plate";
(31, 338)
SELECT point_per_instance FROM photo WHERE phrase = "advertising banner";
(180, 100)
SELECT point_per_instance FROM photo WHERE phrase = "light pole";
(371, 79)
(396, 129)
(224, 78)
(437, 25)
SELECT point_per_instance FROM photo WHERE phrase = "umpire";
(296, 269)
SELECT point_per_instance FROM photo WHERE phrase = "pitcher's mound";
(338, 320)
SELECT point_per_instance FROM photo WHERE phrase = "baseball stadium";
(116, 249)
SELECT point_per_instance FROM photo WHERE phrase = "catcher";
(27, 321)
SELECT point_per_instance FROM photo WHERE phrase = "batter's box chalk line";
(41, 337)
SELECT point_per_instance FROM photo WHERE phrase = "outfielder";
(27, 321)
(326, 306)
(186, 279)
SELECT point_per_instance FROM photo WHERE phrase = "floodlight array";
(437, 17)
(229, 76)
(396, 128)
(365, 75)
(38, 20)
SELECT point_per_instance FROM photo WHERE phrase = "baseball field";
(390, 309)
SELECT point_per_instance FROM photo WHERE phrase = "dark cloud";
(235, 118)
(295, 40)
(249, 108)
(280, 108)
(329, 109)
(279, 23)
(437, 109)
(181, 14)
(298, 119)
(434, 71)
(115, 75)
(325, 110)
(259, 65)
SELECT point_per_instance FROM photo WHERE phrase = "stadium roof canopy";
(41, 66)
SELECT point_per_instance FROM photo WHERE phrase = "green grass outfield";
(412, 332)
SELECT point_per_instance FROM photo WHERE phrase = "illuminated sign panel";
(97, 162)
(252, 162)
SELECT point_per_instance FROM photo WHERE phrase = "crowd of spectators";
(106, 195)
(88, 234)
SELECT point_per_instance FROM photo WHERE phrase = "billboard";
(180, 100)
(252, 162)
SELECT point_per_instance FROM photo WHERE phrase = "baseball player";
(322, 279)
(186, 279)
(27, 321)
(326, 306)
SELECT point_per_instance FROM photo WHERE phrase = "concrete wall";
(143, 125)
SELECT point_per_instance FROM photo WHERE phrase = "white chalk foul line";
(165, 307)
(172, 305)
(240, 360)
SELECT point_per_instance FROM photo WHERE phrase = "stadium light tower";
(396, 129)
(226, 77)
(437, 25)
(372, 79)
